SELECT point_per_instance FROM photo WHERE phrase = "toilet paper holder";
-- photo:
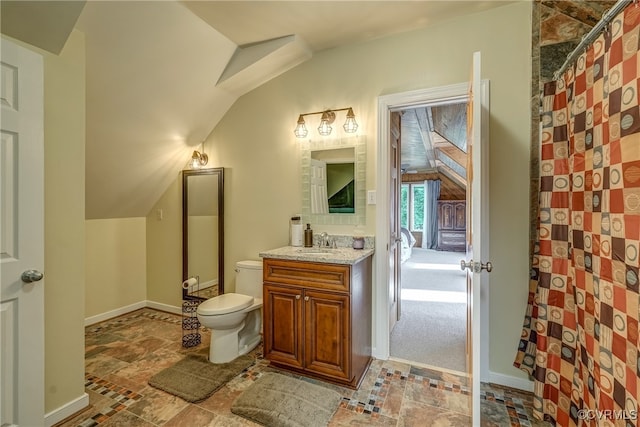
(190, 324)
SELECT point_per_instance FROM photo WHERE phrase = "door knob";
(476, 267)
(466, 265)
(487, 266)
(31, 276)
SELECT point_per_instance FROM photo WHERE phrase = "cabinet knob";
(306, 298)
(297, 296)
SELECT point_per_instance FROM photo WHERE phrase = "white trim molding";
(164, 307)
(387, 103)
(67, 410)
(129, 308)
(114, 313)
(442, 95)
(510, 381)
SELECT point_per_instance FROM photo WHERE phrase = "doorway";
(386, 292)
(431, 327)
(385, 241)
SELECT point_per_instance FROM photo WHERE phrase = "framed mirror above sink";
(333, 181)
(203, 232)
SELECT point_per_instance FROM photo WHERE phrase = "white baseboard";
(164, 307)
(510, 381)
(129, 308)
(66, 410)
(114, 313)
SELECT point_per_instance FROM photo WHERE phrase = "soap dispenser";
(308, 237)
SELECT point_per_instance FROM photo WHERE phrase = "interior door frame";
(449, 94)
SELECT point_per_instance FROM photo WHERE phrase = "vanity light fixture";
(198, 160)
(325, 128)
(328, 117)
(301, 130)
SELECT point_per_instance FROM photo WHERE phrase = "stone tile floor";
(123, 353)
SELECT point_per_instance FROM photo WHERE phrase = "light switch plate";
(371, 197)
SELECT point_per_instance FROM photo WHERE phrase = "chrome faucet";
(324, 239)
(327, 241)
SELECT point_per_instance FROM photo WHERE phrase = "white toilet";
(235, 319)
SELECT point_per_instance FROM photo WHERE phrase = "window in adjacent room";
(412, 206)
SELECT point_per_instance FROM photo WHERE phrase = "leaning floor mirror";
(202, 233)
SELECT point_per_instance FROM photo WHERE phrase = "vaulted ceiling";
(434, 137)
(160, 75)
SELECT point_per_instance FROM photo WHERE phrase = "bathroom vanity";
(317, 312)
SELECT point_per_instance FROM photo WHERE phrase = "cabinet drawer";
(308, 274)
(453, 237)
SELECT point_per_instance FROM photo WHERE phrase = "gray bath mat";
(194, 378)
(276, 400)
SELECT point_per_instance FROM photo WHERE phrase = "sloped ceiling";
(154, 89)
(43, 24)
(434, 138)
(434, 141)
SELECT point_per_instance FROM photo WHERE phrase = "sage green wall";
(64, 142)
(116, 265)
(255, 142)
(164, 248)
(256, 145)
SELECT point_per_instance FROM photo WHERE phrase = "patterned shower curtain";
(579, 342)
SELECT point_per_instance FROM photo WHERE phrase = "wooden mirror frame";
(219, 172)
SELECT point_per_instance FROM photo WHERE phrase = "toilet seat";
(225, 303)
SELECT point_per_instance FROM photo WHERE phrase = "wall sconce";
(198, 160)
(328, 117)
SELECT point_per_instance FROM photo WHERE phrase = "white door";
(477, 218)
(477, 214)
(318, 181)
(21, 238)
(395, 289)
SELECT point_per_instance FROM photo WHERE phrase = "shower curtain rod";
(593, 34)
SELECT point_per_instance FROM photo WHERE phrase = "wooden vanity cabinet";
(317, 318)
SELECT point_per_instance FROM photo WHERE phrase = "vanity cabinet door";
(327, 329)
(283, 342)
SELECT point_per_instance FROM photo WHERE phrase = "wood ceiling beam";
(421, 117)
(451, 174)
(451, 150)
(455, 154)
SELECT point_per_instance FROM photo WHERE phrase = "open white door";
(477, 219)
(395, 182)
(21, 238)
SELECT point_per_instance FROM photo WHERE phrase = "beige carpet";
(432, 329)
(194, 378)
(277, 400)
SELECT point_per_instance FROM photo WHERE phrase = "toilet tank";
(249, 278)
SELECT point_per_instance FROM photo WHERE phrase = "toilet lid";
(225, 303)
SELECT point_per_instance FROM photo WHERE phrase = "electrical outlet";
(371, 197)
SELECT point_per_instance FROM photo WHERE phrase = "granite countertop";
(316, 254)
